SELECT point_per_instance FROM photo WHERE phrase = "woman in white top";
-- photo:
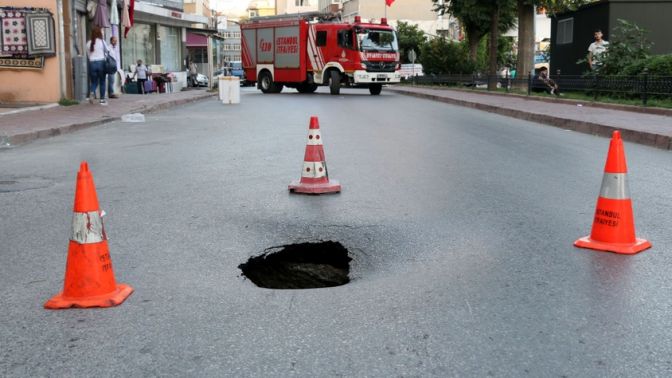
(95, 49)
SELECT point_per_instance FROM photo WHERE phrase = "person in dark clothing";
(551, 86)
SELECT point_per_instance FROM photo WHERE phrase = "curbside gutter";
(635, 136)
(7, 141)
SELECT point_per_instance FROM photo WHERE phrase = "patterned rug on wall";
(40, 32)
(36, 63)
(13, 33)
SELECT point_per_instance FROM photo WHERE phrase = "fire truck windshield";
(377, 40)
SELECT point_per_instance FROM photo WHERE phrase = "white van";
(410, 70)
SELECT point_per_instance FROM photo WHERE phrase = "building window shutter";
(565, 31)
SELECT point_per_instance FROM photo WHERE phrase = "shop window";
(138, 44)
(169, 38)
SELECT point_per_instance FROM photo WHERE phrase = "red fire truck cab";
(304, 51)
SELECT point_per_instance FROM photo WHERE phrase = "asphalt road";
(460, 224)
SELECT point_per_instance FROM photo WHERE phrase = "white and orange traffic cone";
(89, 278)
(314, 176)
(614, 224)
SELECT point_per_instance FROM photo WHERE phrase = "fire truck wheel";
(335, 82)
(266, 82)
(375, 89)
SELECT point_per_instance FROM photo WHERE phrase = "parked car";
(237, 70)
(201, 80)
(232, 69)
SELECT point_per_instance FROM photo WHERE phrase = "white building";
(295, 6)
(415, 12)
(329, 6)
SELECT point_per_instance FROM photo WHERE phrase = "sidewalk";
(23, 127)
(635, 126)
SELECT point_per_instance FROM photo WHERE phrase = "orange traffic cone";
(89, 279)
(614, 225)
(314, 177)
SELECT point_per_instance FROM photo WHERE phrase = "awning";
(196, 40)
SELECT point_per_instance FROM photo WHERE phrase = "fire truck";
(304, 51)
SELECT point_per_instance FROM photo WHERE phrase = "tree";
(629, 44)
(479, 18)
(526, 40)
(410, 38)
(440, 56)
(472, 14)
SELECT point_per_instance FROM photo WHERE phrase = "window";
(321, 38)
(345, 38)
(253, 13)
(565, 31)
(139, 44)
(303, 3)
(170, 48)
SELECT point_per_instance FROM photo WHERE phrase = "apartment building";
(258, 8)
(329, 6)
(416, 12)
(295, 6)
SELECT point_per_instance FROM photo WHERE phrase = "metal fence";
(643, 87)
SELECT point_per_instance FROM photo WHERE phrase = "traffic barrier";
(89, 278)
(229, 89)
(614, 225)
(314, 176)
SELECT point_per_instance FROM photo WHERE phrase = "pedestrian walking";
(111, 77)
(141, 72)
(596, 50)
(193, 74)
(95, 49)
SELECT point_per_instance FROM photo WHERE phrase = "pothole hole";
(300, 266)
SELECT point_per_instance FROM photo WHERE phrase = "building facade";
(28, 77)
(418, 12)
(572, 32)
(231, 46)
(295, 6)
(199, 7)
(260, 8)
(329, 6)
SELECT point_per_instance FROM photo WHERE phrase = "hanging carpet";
(13, 33)
(40, 31)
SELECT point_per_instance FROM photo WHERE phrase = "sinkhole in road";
(300, 266)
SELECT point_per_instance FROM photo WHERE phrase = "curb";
(640, 137)
(564, 101)
(17, 139)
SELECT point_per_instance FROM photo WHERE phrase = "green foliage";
(440, 56)
(658, 65)
(476, 15)
(67, 102)
(554, 6)
(410, 38)
(505, 55)
(628, 45)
